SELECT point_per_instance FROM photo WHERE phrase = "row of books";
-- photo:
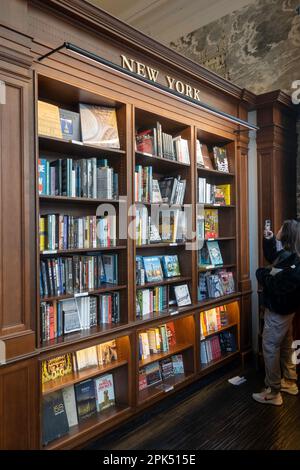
(94, 125)
(170, 226)
(77, 314)
(76, 274)
(169, 190)
(88, 178)
(210, 255)
(214, 348)
(218, 284)
(216, 159)
(213, 320)
(154, 142)
(158, 372)
(161, 298)
(70, 363)
(156, 340)
(76, 403)
(213, 194)
(156, 268)
(63, 232)
(208, 224)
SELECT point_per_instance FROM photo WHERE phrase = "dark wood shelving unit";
(53, 144)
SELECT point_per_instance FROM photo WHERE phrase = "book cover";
(214, 253)
(57, 367)
(105, 394)
(86, 358)
(55, 421)
(171, 333)
(70, 125)
(70, 405)
(153, 270)
(153, 373)
(42, 176)
(170, 265)
(48, 120)
(99, 126)
(107, 352)
(145, 141)
(85, 399)
(227, 282)
(142, 379)
(220, 159)
(214, 285)
(182, 295)
(206, 157)
(211, 223)
(199, 155)
(178, 365)
(166, 366)
(222, 194)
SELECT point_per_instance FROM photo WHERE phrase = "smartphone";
(268, 225)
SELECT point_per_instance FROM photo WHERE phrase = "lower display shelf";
(166, 386)
(216, 362)
(172, 351)
(92, 425)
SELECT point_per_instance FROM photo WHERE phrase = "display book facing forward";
(216, 158)
(75, 404)
(159, 373)
(94, 125)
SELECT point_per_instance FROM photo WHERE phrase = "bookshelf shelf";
(157, 357)
(167, 315)
(214, 172)
(161, 245)
(219, 206)
(104, 288)
(224, 328)
(165, 282)
(82, 250)
(211, 303)
(204, 269)
(205, 368)
(76, 200)
(80, 376)
(159, 164)
(153, 392)
(56, 145)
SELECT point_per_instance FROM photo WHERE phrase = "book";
(166, 367)
(171, 334)
(86, 358)
(199, 155)
(222, 194)
(153, 373)
(182, 295)
(71, 317)
(146, 141)
(227, 281)
(214, 253)
(107, 352)
(220, 159)
(142, 379)
(211, 223)
(214, 286)
(156, 194)
(170, 265)
(178, 365)
(206, 157)
(55, 421)
(85, 399)
(70, 125)
(70, 405)
(105, 394)
(153, 270)
(99, 126)
(48, 120)
(56, 367)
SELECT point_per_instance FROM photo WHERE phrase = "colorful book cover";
(220, 159)
(214, 253)
(182, 295)
(55, 421)
(142, 379)
(99, 126)
(171, 333)
(85, 399)
(153, 270)
(107, 352)
(105, 394)
(211, 225)
(170, 265)
(145, 141)
(206, 157)
(178, 365)
(70, 405)
(166, 366)
(223, 194)
(153, 373)
(42, 176)
(57, 367)
(214, 286)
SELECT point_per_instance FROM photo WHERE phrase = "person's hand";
(268, 234)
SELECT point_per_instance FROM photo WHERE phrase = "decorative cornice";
(104, 23)
(274, 97)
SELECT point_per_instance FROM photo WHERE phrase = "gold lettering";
(188, 91)
(127, 63)
(140, 69)
(196, 94)
(152, 73)
(179, 87)
(170, 82)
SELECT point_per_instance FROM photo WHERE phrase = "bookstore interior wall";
(99, 325)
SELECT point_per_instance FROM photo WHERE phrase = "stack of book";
(62, 232)
(169, 190)
(213, 320)
(217, 159)
(74, 274)
(214, 348)
(158, 372)
(156, 340)
(79, 402)
(215, 285)
(151, 300)
(213, 194)
(87, 178)
(169, 227)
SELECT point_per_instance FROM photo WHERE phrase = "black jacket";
(281, 292)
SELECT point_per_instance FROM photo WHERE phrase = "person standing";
(281, 299)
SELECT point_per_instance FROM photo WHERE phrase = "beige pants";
(277, 342)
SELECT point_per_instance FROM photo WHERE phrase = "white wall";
(253, 226)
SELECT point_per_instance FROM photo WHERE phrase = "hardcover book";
(166, 366)
(171, 333)
(220, 159)
(48, 120)
(70, 405)
(70, 124)
(153, 270)
(182, 295)
(57, 367)
(214, 253)
(85, 399)
(86, 358)
(145, 141)
(222, 195)
(211, 224)
(178, 366)
(99, 126)
(214, 286)
(153, 373)
(170, 265)
(55, 421)
(105, 394)
(107, 352)
(142, 379)
(206, 157)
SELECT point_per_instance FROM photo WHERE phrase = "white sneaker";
(290, 388)
(268, 398)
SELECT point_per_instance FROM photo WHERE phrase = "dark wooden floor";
(212, 414)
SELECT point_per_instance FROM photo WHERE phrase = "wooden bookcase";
(66, 79)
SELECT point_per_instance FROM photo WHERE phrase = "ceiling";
(167, 20)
